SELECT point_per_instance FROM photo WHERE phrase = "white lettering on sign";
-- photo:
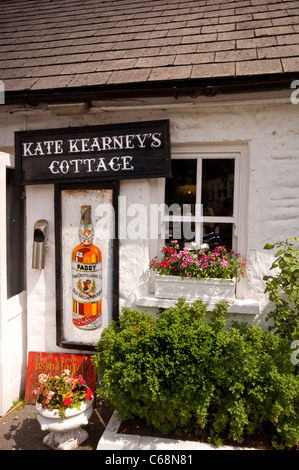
(91, 165)
(47, 147)
(94, 144)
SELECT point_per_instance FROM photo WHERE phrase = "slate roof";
(48, 45)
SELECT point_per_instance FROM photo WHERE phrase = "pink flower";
(42, 378)
(83, 382)
(224, 263)
(189, 274)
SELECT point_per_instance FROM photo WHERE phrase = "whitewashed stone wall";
(270, 131)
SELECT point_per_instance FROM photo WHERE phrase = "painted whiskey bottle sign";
(87, 277)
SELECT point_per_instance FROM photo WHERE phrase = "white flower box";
(213, 290)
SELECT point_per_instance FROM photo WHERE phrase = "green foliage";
(283, 288)
(183, 372)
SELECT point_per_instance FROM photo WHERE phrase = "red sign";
(55, 364)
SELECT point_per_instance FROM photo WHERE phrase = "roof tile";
(213, 70)
(279, 51)
(199, 38)
(80, 80)
(288, 39)
(274, 31)
(158, 61)
(82, 67)
(194, 58)
(121, 64)
(247, 33)
(256, 42)
(19, 84)
(236, 56)
(130, 76)
(290, 64)
(45, 83)
(170, 73)
(254, 67)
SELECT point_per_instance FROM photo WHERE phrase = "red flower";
(67, 401)
(89, 394)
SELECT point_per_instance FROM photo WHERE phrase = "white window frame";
(239, 153)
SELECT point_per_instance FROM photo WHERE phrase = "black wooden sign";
(94, 153)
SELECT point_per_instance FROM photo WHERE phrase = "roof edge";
(173, 88)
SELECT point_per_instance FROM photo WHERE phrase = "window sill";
(244, 307)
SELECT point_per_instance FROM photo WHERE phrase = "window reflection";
(181, 188)
(218, 186)
(217, 199)
(213, 234)
(218, 234)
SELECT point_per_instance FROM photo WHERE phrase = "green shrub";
(183, 373)
(283, 288)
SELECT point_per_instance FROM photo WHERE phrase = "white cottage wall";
(13, 328)
(41, 283)
(269, 131)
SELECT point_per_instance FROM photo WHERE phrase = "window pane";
(218, 234)
(181, 188)
(218, 186)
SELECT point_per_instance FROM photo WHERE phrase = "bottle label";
(87, 282)
(87, 323)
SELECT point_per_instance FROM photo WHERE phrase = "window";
(207, 193)
(201, 188)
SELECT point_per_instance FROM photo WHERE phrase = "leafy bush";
(283, 288)
(182, 373)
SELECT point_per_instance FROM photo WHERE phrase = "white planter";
(209, 290)
(66, 433)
